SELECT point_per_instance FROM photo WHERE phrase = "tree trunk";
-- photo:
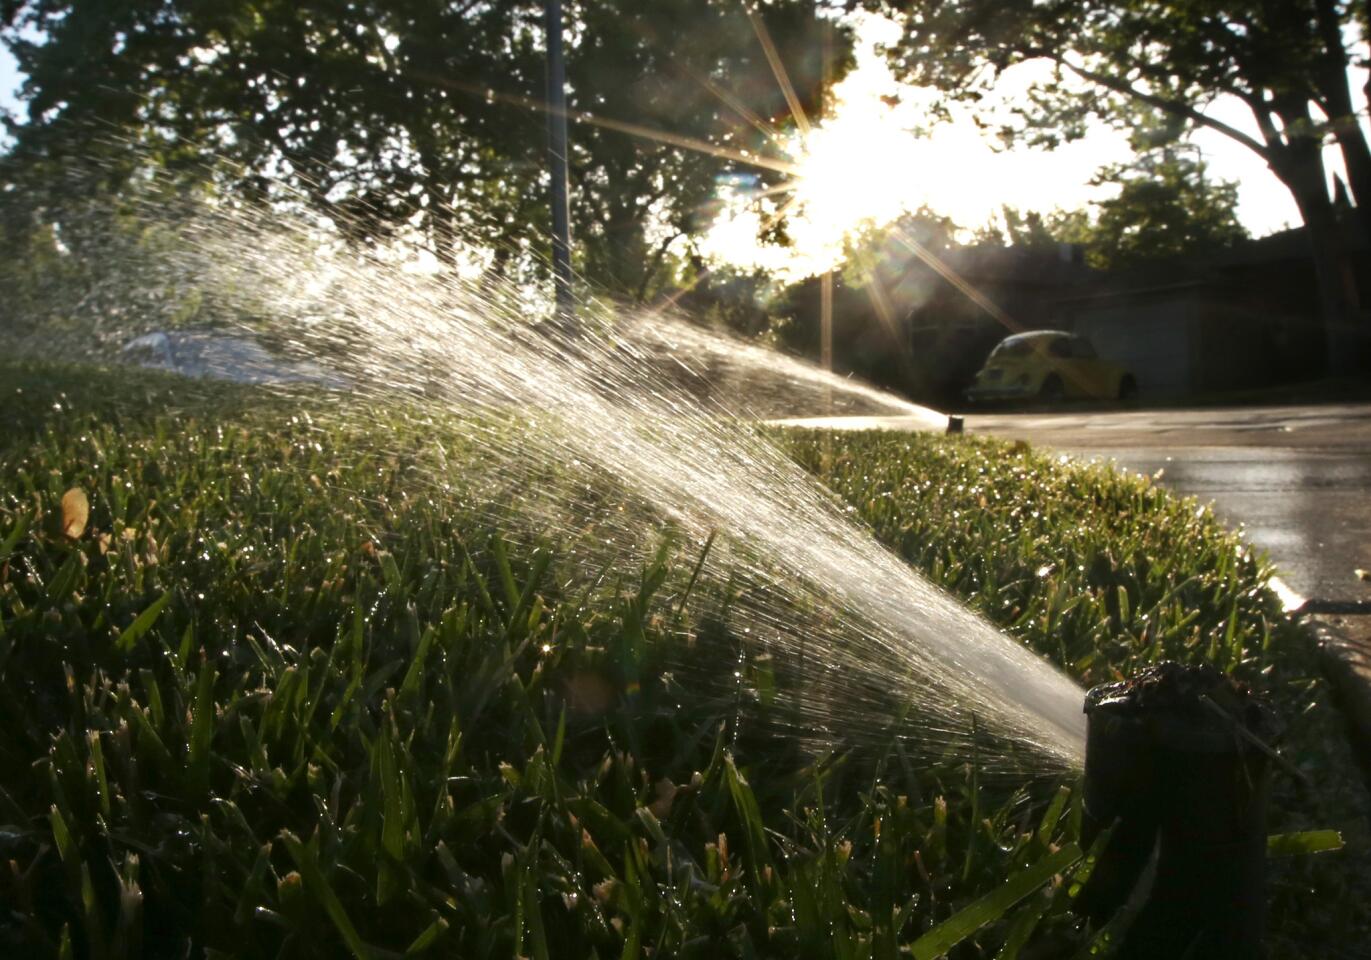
(653, 265)
(1304, 175)
(1356, 155)
(1332, 84)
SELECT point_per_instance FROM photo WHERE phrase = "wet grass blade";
(695, 574)
(17, 532)
(992, 906)
(201, 729)
(142, 623)
(1022, 928)
(425, 941)
(317, 884)
(1298, 844)
(1053, 814)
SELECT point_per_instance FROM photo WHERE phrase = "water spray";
(557, 161)
(1177, 765)
(623, 431)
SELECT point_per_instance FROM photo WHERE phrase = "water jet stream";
(660, 409)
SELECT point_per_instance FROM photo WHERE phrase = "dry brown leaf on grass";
(75, 512)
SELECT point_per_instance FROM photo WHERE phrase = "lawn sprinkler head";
(1176, 763)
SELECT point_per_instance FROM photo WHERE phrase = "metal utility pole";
(826, 287)
(557, 151)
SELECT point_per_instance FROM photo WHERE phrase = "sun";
(876, 155)
(861, 166)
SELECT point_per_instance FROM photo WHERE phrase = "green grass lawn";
(278, 698)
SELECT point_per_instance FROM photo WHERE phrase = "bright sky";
(867, 165)
(9, 81)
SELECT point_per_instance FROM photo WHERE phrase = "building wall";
(1193, 341)
(1155, 344)
(1234, 349)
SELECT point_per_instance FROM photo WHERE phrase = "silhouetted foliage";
(417, 117)
(1165, 208)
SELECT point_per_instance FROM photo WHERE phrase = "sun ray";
(880, 300)
(773, 57)
(951, 276)
(745, 157)
(763, 127)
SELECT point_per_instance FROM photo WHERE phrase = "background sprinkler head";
(1177, 764)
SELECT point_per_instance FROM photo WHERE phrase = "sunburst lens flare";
(849, 177)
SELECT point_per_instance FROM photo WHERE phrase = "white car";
(214, 355)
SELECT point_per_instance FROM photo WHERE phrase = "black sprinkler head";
(1175, 763)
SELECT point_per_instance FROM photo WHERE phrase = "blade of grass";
(21, 527)
(1053, 815)
(323, 891)
(1297, 844)
(695, 574)
(1022, 928)
(992, 906)
(142, 623)
(201, 729)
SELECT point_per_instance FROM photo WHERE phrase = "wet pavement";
(1296, 479)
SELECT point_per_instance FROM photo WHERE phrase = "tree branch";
(1177, 107)
(654, 264)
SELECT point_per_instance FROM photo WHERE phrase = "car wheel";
(1128, 387)
(1052, 389)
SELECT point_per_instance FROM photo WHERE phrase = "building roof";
(1062, 265)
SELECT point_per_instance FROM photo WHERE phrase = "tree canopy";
(1167, 206)
(418, 116)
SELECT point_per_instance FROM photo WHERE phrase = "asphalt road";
(1295, 479)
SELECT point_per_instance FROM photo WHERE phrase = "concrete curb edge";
(1346, 663)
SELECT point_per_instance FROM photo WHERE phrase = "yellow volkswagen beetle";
(1049, 365)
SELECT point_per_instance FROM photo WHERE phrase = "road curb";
(1344, 654)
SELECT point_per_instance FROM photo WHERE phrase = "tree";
(333, 101)
(413, 116)
(1029, 228)
(1286, 60)
(687, 68)
(1165, 207)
